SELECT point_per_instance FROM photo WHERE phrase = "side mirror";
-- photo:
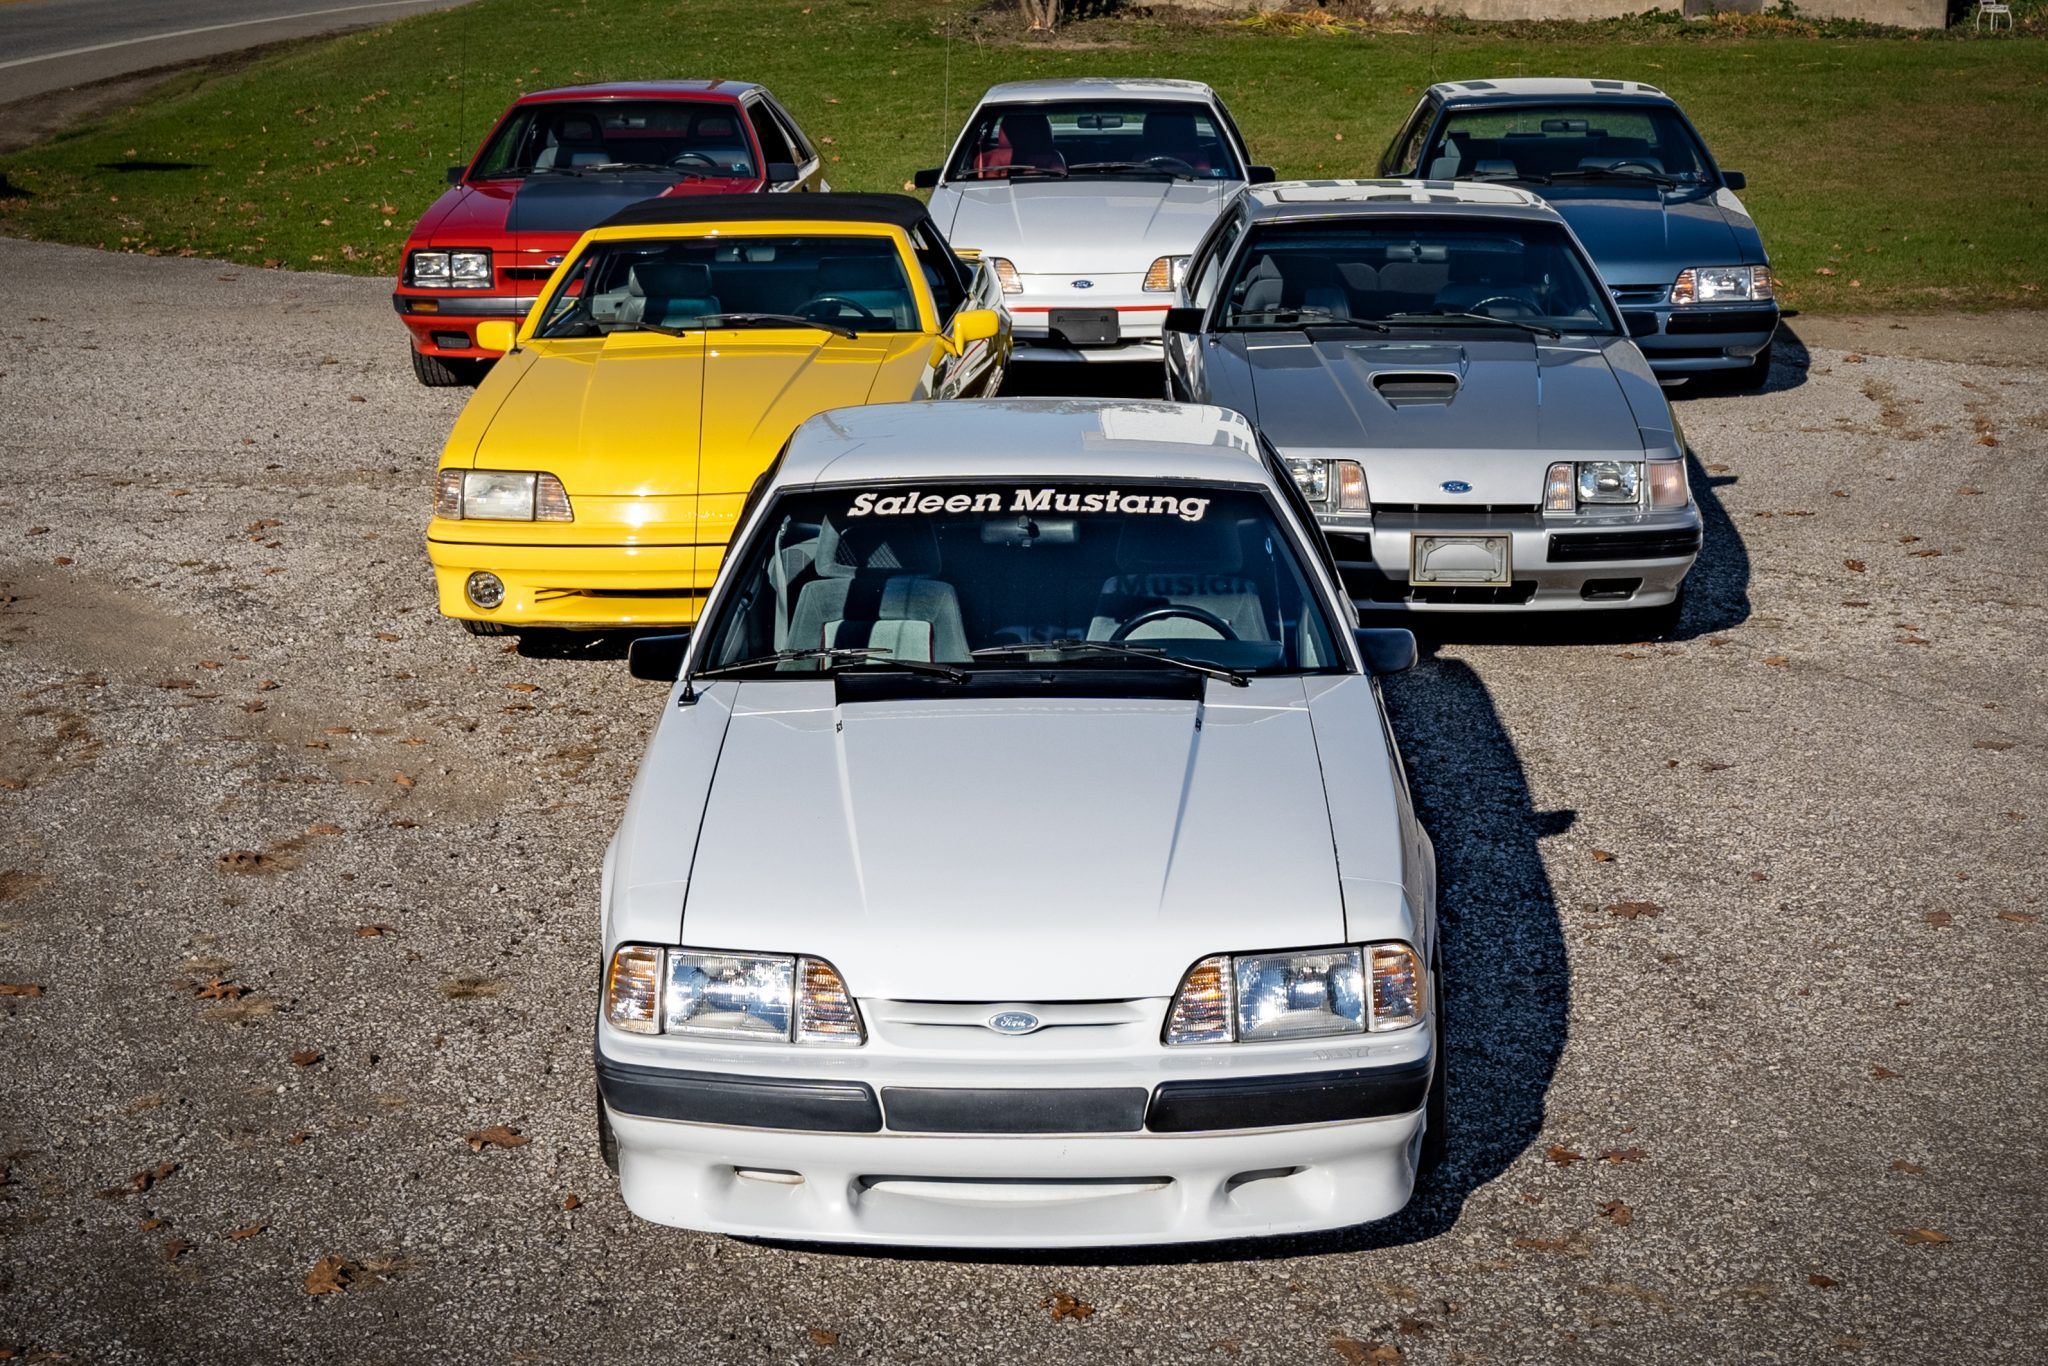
(658, 659)
(927, 179)
(1182, 320)
(1260, 175)
(783, 173)
(1387, 649)
(455, 174)
(1639, 323)
(971, 325)
(495, 334)
(1735, 180)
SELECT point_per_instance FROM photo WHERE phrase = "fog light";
(486, 590)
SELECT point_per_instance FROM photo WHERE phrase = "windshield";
(856, 283)
(560, 135)
(1604, 141)
(939, 572)
(1176, 139)
(1399, 270)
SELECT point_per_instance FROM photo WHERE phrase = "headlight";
(1331, 485)
(1164, 275)
(1721, 285)
(1298, 994)
(1610, 481)
(501, 496)
(469, 268)
(778, 998)
(1006, 275)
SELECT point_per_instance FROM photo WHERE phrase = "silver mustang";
(1087, 195)
(1454, 391)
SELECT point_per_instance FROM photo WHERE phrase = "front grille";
(511, 273)
(1639, 294)
(1721, 320)
(1014, 1110)
(1581, 547)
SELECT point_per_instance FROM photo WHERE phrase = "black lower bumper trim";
(1023, 1110)
(508, 306)
(1721, 322)
(835, 1107)
(1182, 1107)
(1658, 544)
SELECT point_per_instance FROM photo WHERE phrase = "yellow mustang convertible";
(598, 471)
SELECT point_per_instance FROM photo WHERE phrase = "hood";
(548, 212)
(627, 416)
(1047, 226)
(1643, 237)
(1013, 849)
(1491, 412)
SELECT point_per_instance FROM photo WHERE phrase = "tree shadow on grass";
(1506, 981)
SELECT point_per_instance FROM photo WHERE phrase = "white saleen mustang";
(1088, 195)
(1023, 857)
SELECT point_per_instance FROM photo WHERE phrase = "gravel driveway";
(299, 889)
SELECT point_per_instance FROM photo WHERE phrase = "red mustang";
(561, 161)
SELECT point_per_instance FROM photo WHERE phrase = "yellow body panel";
(657, 440)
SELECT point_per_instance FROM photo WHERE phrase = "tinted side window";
(774, 143)
(1401, 154)
(1202, 287)
(941, 272)
(797, 142)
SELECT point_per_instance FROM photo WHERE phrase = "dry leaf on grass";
(330, 1276)
(1065, 1306)
(496, 1136)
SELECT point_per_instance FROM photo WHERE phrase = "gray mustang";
(1632, 176)
(1453, 390)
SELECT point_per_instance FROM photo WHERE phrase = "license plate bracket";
(1461, 559)
(1084, 326)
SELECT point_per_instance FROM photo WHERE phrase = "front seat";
(877, 586)
(578, 142)
(1162, 562)
(873, 282)
(669, 293)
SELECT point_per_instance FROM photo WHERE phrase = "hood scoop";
(1416, 388)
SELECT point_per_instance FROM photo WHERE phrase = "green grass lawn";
(1886, 171)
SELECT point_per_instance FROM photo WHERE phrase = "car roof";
(1097, 87)
(1023, 438)
(1513, 89)
(894, 210)
(1294, 199)
(721, 91)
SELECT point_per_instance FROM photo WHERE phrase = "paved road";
(238, 749)
(50, 45)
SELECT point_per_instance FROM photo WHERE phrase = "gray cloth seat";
(873, 282)
(578, 142)
(877, 586)
(1162, 562)
(668, 293)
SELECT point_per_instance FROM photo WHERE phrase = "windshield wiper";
(1459, 316)
(1011, 173)
(1303, 318)
(740, 320)
(1137, 167)
(1070, 646)
(663, 167)
(1612, 173)
(835, 653)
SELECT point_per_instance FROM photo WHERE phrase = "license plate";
(1085, 326)
(1479, 561)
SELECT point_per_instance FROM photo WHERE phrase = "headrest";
(1493, 166)
(720, 128)
(1151, 544)
(1030, 131)
(669, 280)
(859, 273)
(578, 128)
(889, 546)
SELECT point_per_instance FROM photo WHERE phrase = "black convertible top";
(897, 210)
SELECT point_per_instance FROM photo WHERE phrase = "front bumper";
(590, 586)
(443, 321)
(1561, 564)
(1146, 1146)
(1697, 340)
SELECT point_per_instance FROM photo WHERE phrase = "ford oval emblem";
(1083, 284)
(1014, 1022)
(1455, 486)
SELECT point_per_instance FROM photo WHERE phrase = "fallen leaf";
(1366, 1353)
(1908, 1168)
(298, 1140)
(1853, 566)
(175, 1248)
(306, 1057)
(2019, 917)
(1602, 856)
(1777, 661)
(1939, 919)
(219, 989)
(152, 1225)
(143, 1180)
(1820, 1282)
(324, 828)
(1998, 745)
(1617, 1213)
(386, 635)
(372, 931)
(1623, 1155)
(572, 1201)
(1916, 1237)
(1987, 440)
(1563, 1156)
(246, 1231)
(822, 1337)
(241, 861)
(330, 1276)
(20, 989)
(1880, 1072)
(1634, 910)
(1065, 1306)
(523, 687)
(402, 780)
(497, 1136)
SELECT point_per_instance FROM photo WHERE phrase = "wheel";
(437, 373)
(1436, 1135)
(485, 628)
(607, 1141)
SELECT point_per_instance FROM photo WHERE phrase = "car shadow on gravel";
(1507, 981)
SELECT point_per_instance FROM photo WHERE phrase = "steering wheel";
(1639, 164)
(1167, 613)
(680, 157)
(840, 305)
(1174, 164)
(1513, 301)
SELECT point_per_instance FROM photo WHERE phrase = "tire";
(485, 628)
(436, 373)
(1436, 1112)
(607, 1141)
